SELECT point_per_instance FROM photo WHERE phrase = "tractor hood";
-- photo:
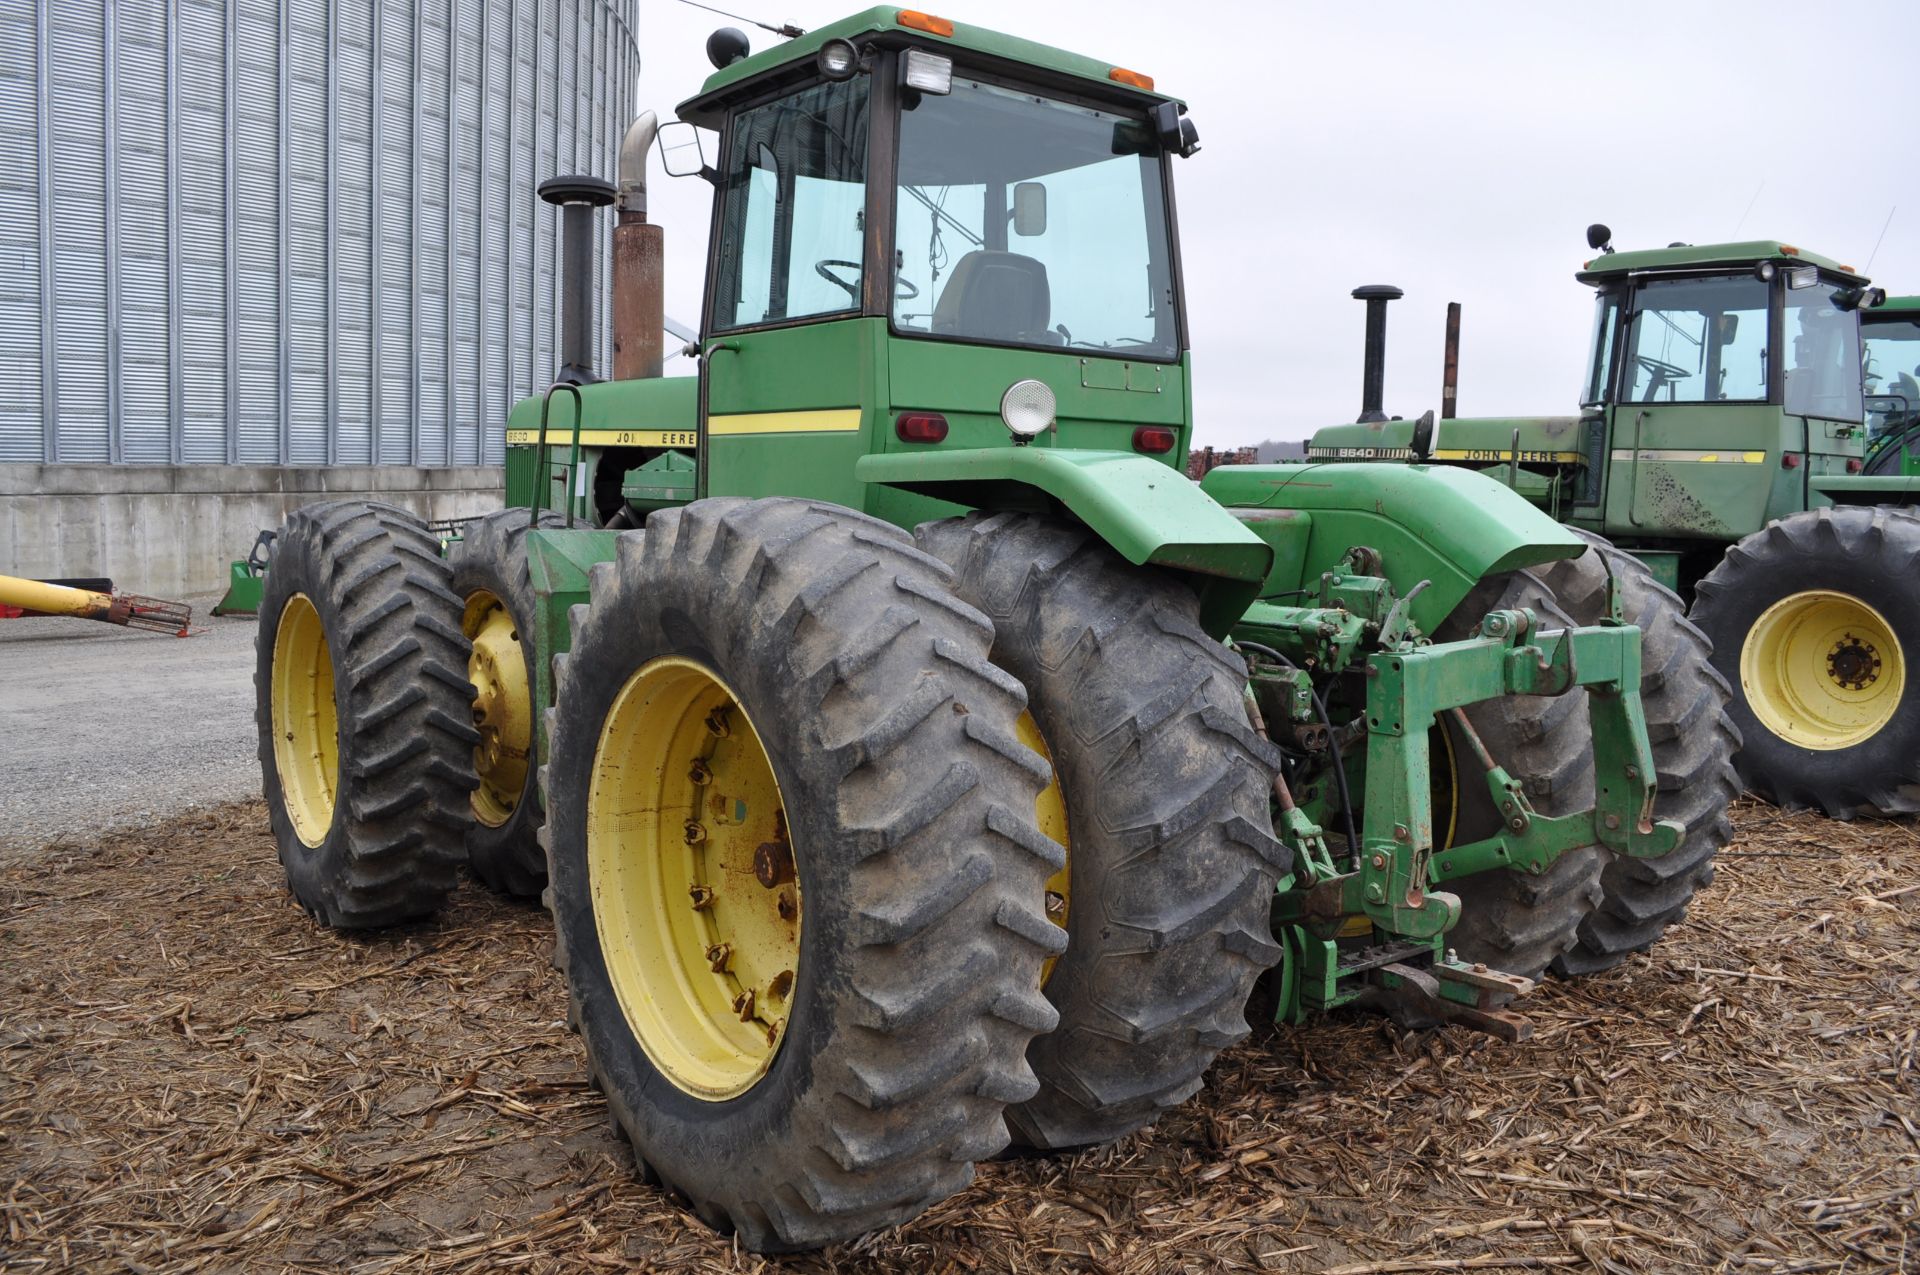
(1544, 440)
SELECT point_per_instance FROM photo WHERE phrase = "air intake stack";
(1373, 379)
(576, 197)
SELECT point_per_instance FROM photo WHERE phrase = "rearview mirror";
(682, 153)
(1729, 328)
(1029, 209)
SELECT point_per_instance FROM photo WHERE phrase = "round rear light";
(921, 427)
(1027, 407)
(1790, 460)
(1853, 465)
(1154, 440)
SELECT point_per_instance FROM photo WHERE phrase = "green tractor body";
(1746, 406)
(910, 751)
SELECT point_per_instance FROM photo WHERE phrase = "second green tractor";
(912, 758)
(1745, 444)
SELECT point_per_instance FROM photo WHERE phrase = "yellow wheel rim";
(1050, 812)
(502, 708)
(694, 878)
(1822, 670)
(306, 729)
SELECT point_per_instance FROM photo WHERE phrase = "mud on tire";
(383, 837)
(503, 846)
(910, 802)
(1172, 857)
(1684, 699)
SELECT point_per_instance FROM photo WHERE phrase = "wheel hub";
(1823, 670)
(696, 880)
(1852, 663)
(502, 708)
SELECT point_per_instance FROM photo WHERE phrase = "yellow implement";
(20, 597)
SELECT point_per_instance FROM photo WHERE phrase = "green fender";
(1449, 526)
(1149, 512)
(1866, 489)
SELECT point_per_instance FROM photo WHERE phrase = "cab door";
(1693, 424)
(788, 364)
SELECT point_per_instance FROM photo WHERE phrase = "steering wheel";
(903, 289)
(1664, 374)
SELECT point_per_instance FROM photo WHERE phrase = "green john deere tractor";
(1724, 452)
(912, 757)
(1890, 337)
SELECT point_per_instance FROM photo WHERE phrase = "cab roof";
(704, 107)
(1893, 305)
(1750, 252)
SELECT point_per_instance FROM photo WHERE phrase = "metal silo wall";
(270, 232)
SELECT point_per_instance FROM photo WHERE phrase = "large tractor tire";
(1172, 860)
(490, 574)
(1684, 699)
(363, 706)
(798, 882)
(1514, 921)
(1815, 619)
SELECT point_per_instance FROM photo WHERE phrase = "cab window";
(1823, 355)
(791, 238)
(1697, 340)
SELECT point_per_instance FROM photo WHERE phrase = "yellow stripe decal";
(1681, 455)
(563, 435)
(1506, 454)
(839, 420)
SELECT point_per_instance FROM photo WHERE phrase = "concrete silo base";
(171, 530)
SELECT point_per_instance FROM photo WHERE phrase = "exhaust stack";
(1373, 378)
(639, 264)
(576, 197)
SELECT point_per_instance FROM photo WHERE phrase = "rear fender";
(1865, 489)
(1150, 513)
(1450, 526)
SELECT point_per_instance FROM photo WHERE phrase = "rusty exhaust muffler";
(639, 263)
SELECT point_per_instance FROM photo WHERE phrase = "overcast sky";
(1456, 150)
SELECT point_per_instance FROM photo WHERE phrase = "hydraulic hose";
(1333, 748)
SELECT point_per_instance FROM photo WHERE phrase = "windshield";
(1022, 220)
(1605, 324)
(1891, 371)
(1697, 340)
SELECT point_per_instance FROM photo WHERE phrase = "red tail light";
(1790, 460)
(1853, 465)
(921, 427)
(1154, 440)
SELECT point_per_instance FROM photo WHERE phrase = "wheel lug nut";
(717, 721)
(702, 896)
(743, 1005)
(699, 773)
(717, 957)
(695, 834)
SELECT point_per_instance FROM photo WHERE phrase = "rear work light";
(1154, 440)
(921, 427)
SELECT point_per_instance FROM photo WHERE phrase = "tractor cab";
(928, 240)
(1709, 366)
(1890, 340)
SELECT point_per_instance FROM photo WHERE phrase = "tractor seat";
(994, 296)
